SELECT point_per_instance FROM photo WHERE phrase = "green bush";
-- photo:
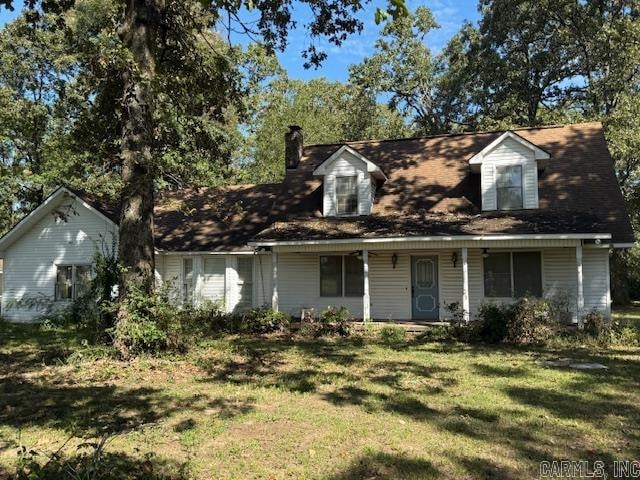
(625, 335)
(257, 320)
(334, 322)
(527, 321)
(392, 335)
(492, 323)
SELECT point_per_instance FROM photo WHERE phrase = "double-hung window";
(187, 281)
(509, 187)
(72, 281)
(347, 195)
(512, 274)
(341, 276)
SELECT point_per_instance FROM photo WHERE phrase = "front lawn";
(275, 408)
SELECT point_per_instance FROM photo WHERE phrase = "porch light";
(485, 252)
(394, 260)
(454, 259)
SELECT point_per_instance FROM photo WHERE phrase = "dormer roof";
(540, 154)
(373, 169)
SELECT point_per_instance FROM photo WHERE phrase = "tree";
(148, 30)
(329, 112)
(404, 69)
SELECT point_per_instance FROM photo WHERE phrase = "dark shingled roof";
(432, 175)
(430, 191)
(433, 224)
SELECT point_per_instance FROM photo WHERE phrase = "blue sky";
(450, 14)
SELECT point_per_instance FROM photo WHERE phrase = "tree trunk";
(136, 248)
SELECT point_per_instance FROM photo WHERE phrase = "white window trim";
(335, 195)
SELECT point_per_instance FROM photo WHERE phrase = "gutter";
(435, 238)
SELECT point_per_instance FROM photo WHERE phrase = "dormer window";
(347, 195)
(509, 187)
(508, 169)
(349, 183)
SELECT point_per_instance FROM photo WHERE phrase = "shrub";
(597, 326)
(334, 322)
(625, 335)
(392, 335)
(531, 322)
(527, 321)
(492, 323)
(144, 322)
(258, 320)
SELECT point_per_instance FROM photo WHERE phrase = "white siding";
(390, 288)
(595, 271)
(509, 152)
(212, 283)
(299, 286)
(30, 262)
(221, 287)
(347, 165)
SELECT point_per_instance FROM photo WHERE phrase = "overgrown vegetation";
(282, 406)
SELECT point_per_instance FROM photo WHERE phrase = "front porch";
(416, 281)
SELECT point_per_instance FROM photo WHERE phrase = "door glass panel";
(425, 270)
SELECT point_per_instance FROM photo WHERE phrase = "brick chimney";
(293, 143)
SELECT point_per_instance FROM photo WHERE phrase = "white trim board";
(452, 238)
(372, 168)
(539, 154)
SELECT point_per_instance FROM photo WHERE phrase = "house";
(391, 229)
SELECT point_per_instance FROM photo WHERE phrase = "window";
(245, 282)
(341, 276)
(346, 195)
(509, 187)
(72, 281)
(512, 274)
(353, 276)
(187, 280)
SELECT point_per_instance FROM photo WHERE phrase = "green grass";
(277, 408)
(629, 313)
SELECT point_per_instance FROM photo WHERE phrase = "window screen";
(330, 276)
(497, 275)
(527, 274)
(353, 276)
(509, 187)
(64, 282)
(347, 195)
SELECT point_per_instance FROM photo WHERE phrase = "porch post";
(366, 301)
(465, 284)
(580, 304)
(274, 281)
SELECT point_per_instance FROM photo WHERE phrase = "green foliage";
(527, 321)
(347, 113)
(334, 322)
(392, 335)
(256, 320)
